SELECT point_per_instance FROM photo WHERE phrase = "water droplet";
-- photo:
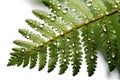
(101, 14)
(91, 57)
(89, 39)
(59, 6)
(33, 60)
(85, 16)
(66, 3)
(63, 51)
(108, 41)
(86, 35)
(89, 3)
(53, 18)
(53, 3)
(86, 49)
(77, 52)
(117, 1)
(49, 15)
(114, 31)
(36, 28)
(55, 43)
(51, 38)
(87, 21)
(37, 45)
(54, 11)
(113, 55)
(42, 25)
(64, 60)
(62, 33)
(110, 22)
(92, 32)
(68, 40)
(73, 45)
(115, 6)
(110, 47)
(23, 50)
(65, 10)
(74, 10)
(109, 62)
(107, 13)
(37, 36)
(104, 27)
(27, 37)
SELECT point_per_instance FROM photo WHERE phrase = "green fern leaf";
(42, 57)
(53, 56)
(76, 52)
(64, 54)
(58, 34)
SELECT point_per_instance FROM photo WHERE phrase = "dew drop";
(49, 15)
(23, 50)
(109, 47)
(37, 45)
(27, 37)
(85, 16)
(104, 27)
(65, 10)
(117, 1)
(55, 43)
(64, 60)
(42, 25)
(89, 39)
(92, 32)
(55, 29)
(115, 6)
(36, 28)
(113, 55)
(59, 6)
(109, 62)
(108, 41)
(62, 33)
(74, 10)
(89, 3)
(53, 18)
(110, 22)
(77, 52)
(107, 13)
(73, 45)
(63, 51)
(51, 38)
(33, 60)
(114, 31)
(86, 49)
(92, 57)
(68, 40)
(86, 35)
(54, 11)
(53, 3)
(66, 3)
(101, 14)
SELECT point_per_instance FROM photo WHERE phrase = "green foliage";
(60, 36)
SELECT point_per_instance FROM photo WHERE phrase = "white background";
(12, 16)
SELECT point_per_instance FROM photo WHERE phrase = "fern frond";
(110, 44)
(53, 55)
(90, 50)
(64, 54)
(42, 57)
(58, 35)
(76, 52)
